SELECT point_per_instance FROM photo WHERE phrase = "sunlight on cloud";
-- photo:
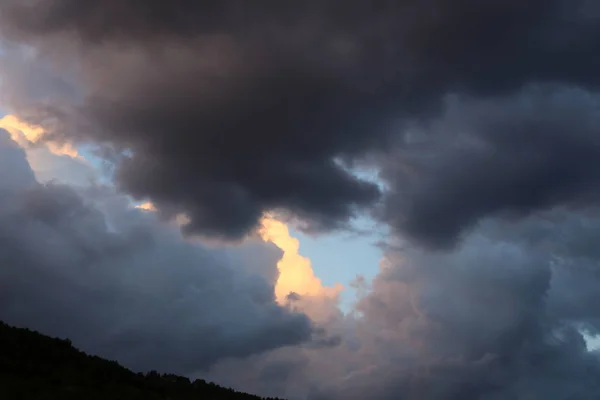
(147, 206)
(26, 135)
(295, 271)
(49, 160)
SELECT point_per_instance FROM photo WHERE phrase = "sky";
(316, 200)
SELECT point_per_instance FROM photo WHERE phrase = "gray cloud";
(247, 107)
(497, 317)
(14, 169)
(87, 266)
(482, 118)
(507, 156)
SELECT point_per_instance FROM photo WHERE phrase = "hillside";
(37, 367)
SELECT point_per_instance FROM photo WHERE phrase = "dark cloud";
(508, 156)
(14, 169)
(497, 317)
(87, 266)
(226, 110)
(482, 118)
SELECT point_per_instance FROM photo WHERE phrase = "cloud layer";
(88, 266)
(508, 156)
(251, 108)
(499, 317)
(481, 119)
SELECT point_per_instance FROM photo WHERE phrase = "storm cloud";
(224, 110)
(481, 120)
(509, 156)
(500, 316)
(84, 264)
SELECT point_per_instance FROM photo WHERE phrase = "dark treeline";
(38, 367)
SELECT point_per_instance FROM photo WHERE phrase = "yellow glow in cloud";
(147, 206)
(180, 219)
(295, 271)
(25, 135)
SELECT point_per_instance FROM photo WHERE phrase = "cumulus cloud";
(14, 169)
(248, 106)
(27, 135)
(86, 265)
(498, 317)
(481, 118)
(49, 160)
(296, 276)
(508, 156)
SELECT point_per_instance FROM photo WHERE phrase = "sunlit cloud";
(295, 271)
(49, 160)
(27, 135)
(146, 206)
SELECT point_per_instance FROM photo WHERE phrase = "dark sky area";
(481, 118)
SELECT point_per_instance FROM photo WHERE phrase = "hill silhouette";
(37, 367)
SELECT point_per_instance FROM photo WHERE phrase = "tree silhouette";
(37, 367)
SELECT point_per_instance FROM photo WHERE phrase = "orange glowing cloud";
(147, 206)
(25, 135)
(295, 271)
